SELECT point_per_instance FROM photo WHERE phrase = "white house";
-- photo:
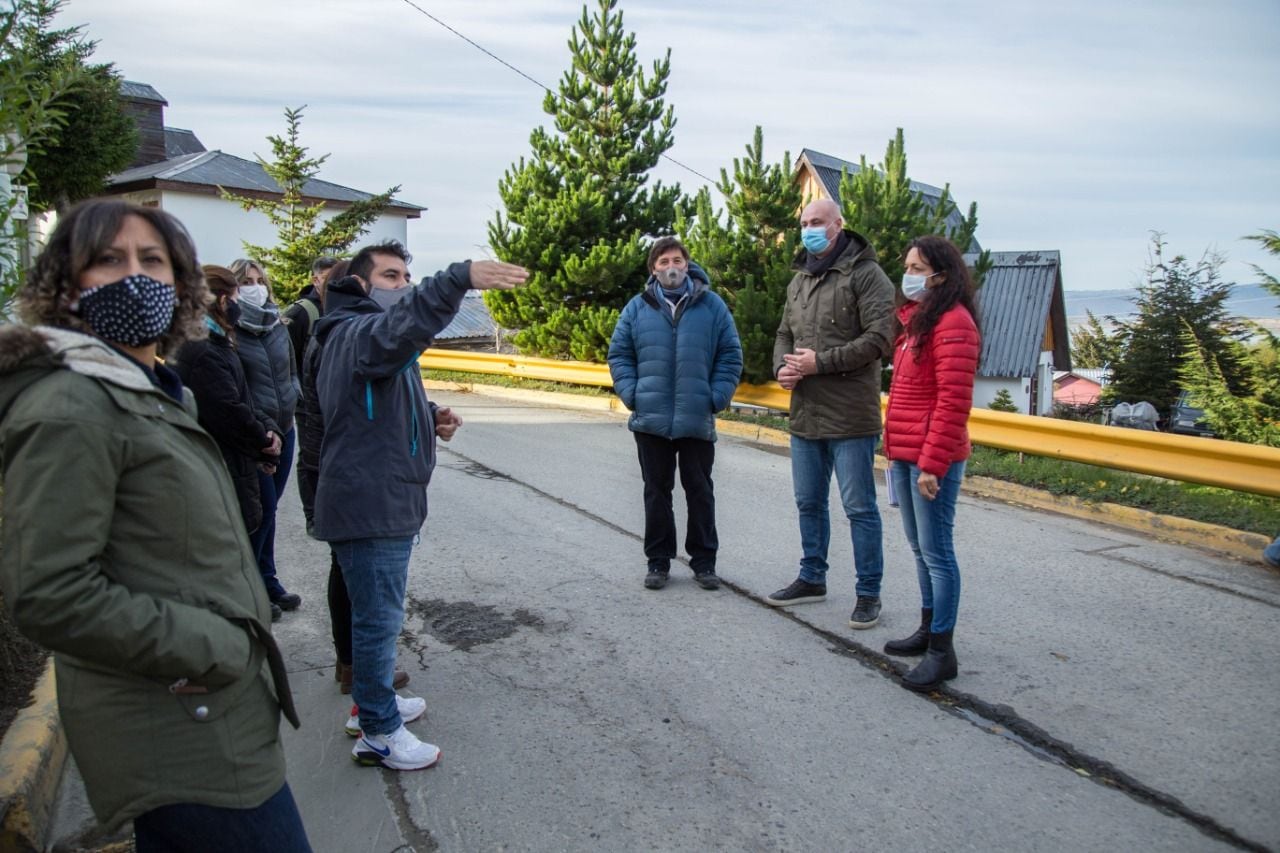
(175, 172)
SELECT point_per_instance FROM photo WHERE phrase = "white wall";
(985, 390)
(219, 226)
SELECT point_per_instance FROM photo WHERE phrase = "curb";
(1239, 544)
(32, 755)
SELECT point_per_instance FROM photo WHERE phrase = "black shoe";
(276, 612)
(917, 643)
(707, 579)
(799, 592)
(288, 601)
(939, 665)
(866, 612)
(655, 580)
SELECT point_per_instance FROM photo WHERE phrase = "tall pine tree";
(303, 236)
(578, 212)
(1092, 346)
(1177, 298)
(748, 256)
(880, 204)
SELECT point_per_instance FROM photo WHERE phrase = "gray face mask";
(671, 277)
(387, 298)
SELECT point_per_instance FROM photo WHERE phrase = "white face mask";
(253, 294)
(913, 286)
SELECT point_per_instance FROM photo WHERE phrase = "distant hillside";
(1251, 301)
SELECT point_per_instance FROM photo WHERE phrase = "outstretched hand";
(496, 275)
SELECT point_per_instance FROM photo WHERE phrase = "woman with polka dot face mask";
(124, 550)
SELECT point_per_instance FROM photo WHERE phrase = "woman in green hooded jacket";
(122, 549)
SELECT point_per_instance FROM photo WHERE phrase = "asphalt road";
(1115, 692)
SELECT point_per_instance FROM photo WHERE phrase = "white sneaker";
(410, 708)
(399, 750)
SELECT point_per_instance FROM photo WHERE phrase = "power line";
(537, 83)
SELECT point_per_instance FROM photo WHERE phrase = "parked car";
(1186, 419)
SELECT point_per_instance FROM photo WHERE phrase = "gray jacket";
(267, 356)
(379, 442)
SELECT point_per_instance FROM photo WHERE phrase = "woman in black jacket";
(250, 441)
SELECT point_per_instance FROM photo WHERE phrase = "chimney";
(146, 105)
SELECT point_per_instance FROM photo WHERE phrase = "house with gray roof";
(173, 170)
(1020, 304)
(1023, 318)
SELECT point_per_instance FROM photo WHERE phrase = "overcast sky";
(1078, 126)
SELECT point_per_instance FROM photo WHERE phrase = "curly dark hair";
(84, 233)
(955, 287)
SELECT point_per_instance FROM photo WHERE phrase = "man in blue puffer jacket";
(675, 360)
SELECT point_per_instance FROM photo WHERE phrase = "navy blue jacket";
(674, 371)
(379, 439)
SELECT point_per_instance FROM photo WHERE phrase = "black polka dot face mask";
(134, 311)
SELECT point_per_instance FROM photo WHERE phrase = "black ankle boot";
(939, 665)
(917, 643)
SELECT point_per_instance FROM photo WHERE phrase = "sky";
(1081, 127)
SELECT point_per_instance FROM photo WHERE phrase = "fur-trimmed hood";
(29, 352)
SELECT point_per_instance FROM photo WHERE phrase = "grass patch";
(760, 419)
(1238, 510)
(502, 381)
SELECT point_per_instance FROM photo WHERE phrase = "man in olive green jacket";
(836, 326)
(122, 550)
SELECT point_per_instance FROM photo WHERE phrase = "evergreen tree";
(1254, 419)
(578, 213)
(1091, 346)
(1176, 295)
(32, 110)
(1003, 402)
(303, 236)
(748, 257)
(1269, 240)
(97, 137)
(881, 205)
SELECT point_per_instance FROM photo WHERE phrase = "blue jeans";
(273, 827)
(1272, 552)
(928, 525)
(375, 571)
(852, 459)
(263, 539)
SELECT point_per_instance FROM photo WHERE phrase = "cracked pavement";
(1114, 692)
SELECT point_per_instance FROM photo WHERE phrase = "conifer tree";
(1091, 345)
(881, 204)
(303, 234)
(96, 137)
(578, 213)
(748, 256)
(1176, 296)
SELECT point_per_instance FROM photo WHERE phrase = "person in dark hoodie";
(837, 324)
(376, 459)
(676, 360)
(210, 367)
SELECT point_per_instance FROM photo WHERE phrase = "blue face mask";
(815, 239)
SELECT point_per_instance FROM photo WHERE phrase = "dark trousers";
(339, 611)
(263, 539)
(273, 827)
(659, 459)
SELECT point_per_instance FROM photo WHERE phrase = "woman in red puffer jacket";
(926, 439)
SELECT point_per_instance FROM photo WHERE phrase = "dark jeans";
(263, 539)
(339, 611)
(273, 827)
(659, 459)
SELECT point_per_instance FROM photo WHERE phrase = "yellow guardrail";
(1227, 464)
